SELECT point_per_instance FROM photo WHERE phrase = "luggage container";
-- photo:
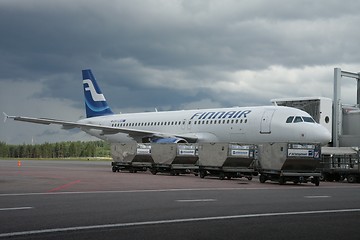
(340, 163)
(296, 162)
(174, 158)
(230, 160)
(132, 157)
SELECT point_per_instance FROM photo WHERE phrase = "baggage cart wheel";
(262, 178)
(342, 178)
(153, 171)
(296, 181)
(114, 169)
(351, 179)
(282, 181)
(222, 176)
(249, 178)
(202, 174)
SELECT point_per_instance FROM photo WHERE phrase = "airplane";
(253, 125)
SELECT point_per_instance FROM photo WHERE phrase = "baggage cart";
(174, 158)
(340, 163)
(227, 160)
(296, 162)
(131, 157)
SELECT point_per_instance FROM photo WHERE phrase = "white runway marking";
(172, 190)
(119, 225)
(133, 191)
(317, 196)
(17, 208)
(196, 200)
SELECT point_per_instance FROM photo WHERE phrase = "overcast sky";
(169, 55)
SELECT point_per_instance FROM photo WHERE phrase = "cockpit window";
(289, 119)
(298, 119)
(308, 119)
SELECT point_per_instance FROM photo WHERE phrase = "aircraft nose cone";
(324, 136)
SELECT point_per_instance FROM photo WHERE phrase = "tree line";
(56, 150)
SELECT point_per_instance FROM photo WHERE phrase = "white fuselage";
(238, 124)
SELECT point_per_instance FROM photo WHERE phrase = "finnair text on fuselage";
(220, 115)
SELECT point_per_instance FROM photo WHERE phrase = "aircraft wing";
(47, 121)
(106, 130)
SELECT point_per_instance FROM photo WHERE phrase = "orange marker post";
(19, 163)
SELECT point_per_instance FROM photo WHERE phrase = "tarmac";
(86, 200)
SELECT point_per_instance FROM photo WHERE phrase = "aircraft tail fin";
(95, 102)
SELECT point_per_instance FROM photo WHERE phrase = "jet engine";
(169, 140)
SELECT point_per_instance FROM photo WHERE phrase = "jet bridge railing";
(337, 107)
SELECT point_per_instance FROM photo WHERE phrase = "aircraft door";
(189, 122)
(265, 124)
(186, 124)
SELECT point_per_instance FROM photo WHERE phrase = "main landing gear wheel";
(316, 181)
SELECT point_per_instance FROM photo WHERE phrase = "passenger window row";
(175, 123)
(296, 119)
(147, 124)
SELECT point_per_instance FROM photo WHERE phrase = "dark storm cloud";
(48, 37)
(63, 36)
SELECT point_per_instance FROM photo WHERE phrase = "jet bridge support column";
(337, 107)
(358, 92)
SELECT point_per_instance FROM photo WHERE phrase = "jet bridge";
(346, 120)
(342, 120)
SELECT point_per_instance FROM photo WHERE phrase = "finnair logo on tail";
(95, 96)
